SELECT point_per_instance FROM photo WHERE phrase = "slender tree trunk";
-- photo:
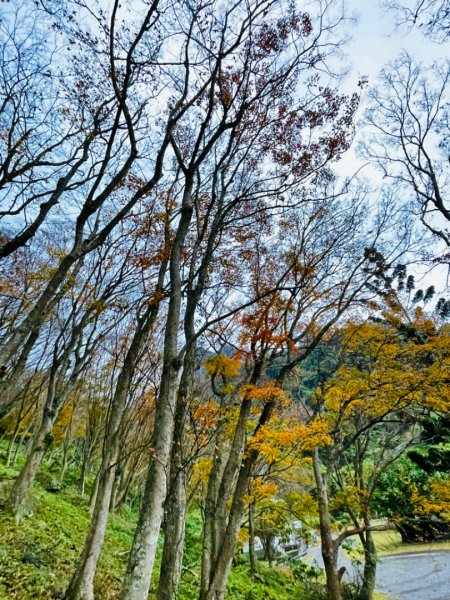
(66, 446)
(123, 491)
(221, 486)
(370, 567)
(209, 542)
(222, 565)
(172, 558)
(269, 550)
(142, 556)
(86, 465)
(11, 443)
(225, 541)
(19, 494)
(176, 502)
(22, 443)
(329, 548)
(83, 473)
(251, 538)
(82, 584)
(94, 491)
(15, 432)
(229, 477)
(221, 568)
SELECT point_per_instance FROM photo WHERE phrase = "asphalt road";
(415, 576)
(406, 576)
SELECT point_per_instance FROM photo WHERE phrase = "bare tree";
(116, 103)
(408, 138)
(431, 17)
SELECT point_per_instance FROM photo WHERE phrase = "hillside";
(38, 554)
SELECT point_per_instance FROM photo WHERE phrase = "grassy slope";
(390, 542)
(37, 556)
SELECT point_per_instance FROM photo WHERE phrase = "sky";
(375, 42)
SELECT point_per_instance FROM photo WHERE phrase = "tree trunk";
(269, 550)
(370, 567)
(82, 584)
(21, 443)
(142, 556)
(176, 502)
(209, 541)
(329, 548)
(222, 565)
(94, 491)
(16, 431)
(66, 446)
(251, 538)
(19, 494)
(226, 545)
(83, 474)
(172, 558)
(221, 486)
(11, 443)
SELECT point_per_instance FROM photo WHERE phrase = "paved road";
(415, 576)
(407, 576)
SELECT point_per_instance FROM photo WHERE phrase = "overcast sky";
(375, 40)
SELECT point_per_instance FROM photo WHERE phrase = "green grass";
(270, 584)
(390, 542)
(38, 555)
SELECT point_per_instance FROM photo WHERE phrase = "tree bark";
(142, 556)
(176, 502)
(221, 486)
(221, 568)
(172, 558)
(209, 538)
(222, 564)
(20, 491)
(329, 547)
(81, 586)
(370, 567)
(251, 539)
